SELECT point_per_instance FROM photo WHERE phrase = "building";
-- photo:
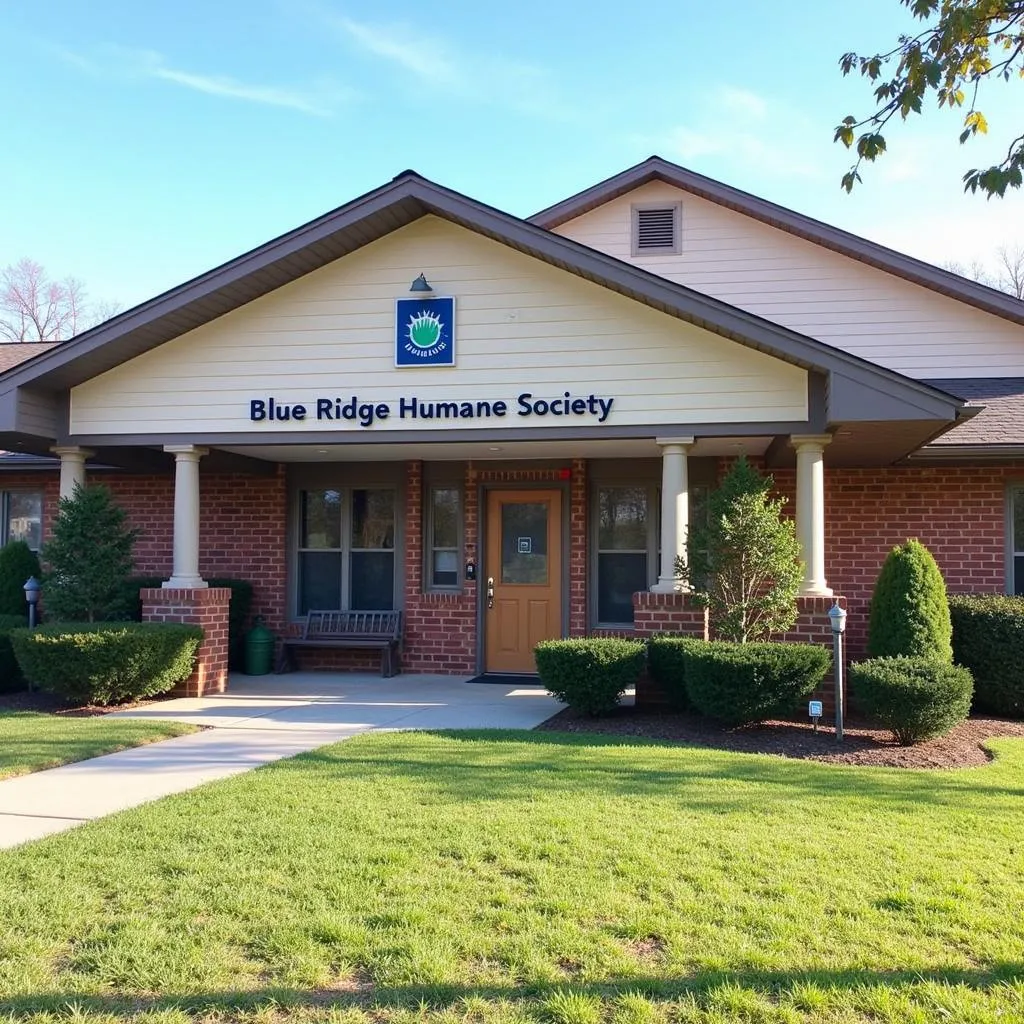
(501, 426)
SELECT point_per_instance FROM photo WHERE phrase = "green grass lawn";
(517, 878)
(30, 741)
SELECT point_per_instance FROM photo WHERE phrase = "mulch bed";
(47, 702)
(862, 744)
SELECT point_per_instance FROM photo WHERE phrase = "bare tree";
(34, 307)
(1007, 276)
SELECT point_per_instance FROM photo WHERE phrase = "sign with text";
(357, 412)
(425, 332)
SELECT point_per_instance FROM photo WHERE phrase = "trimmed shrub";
(916, 698)
(109, 662)
(909, 609)
(17, 562)
(238, 611)
(742, 683)
(590, 674)
(667, 665)
(11, 678)
(988, 638)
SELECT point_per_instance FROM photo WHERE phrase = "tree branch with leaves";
(966, 44)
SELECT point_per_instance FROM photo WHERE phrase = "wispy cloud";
(472, 77)
(734, 126)
(318, 99)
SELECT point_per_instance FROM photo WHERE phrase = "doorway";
(522, 577)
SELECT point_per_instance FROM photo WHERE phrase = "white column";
(810, 510)
(186, 517)
(675, 511)
(72, 467)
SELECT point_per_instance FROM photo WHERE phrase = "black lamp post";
(32, 589)
(837, 617)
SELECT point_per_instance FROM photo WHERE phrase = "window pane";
(319, 581)
(446, 518)
(622, 519)
(619, 576)
(445, 572)
(25, 518)
(524, 542)
(321, 520)
(373, 520)
(1018, 521)
(373, 581)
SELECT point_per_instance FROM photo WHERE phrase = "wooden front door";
(522, 577)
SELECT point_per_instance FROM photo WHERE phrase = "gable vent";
(656, 229)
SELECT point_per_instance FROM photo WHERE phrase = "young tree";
(17, 563)
(965, 43)
(1008, 275)
(34, 307)
(744, 562)
(88, 558)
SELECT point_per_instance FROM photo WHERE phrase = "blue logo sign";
(425, 332)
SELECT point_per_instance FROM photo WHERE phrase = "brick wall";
(208, 609)
(958, 512)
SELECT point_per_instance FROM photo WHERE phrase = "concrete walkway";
(260, 719)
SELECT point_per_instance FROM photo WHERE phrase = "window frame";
(1014, 492)
(5, 511)
(676, 248)
(653, 492)
(429, 586)
(345, 485)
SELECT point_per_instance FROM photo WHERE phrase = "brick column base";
(207, 608)
(664, 613)
(814, 627)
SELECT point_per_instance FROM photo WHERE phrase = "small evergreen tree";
(88, 558)
(909, 608)
(744, 561)
(17, 562)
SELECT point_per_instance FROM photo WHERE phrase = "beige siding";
(521, 326)
(815, 291)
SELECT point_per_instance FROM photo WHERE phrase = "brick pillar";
(814, 627)
(664, 613)
(206, 607)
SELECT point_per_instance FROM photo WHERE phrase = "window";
(1015, 542)
(623, 550)
(21, 517)
(628, 545)
(657, 228)
(444, 526)
(346, 556)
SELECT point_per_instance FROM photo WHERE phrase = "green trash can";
(259, 649)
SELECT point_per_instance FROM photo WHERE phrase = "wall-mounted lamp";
(421, 287)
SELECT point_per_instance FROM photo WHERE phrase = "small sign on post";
(814, 710)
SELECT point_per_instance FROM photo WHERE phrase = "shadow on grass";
(499, 769)
(439, 997)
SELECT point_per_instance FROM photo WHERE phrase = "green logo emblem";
(425, 330)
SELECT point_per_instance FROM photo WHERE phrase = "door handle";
(490, 591)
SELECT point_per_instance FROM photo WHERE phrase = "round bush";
(988, 638)
(107, 663)
(917, 698)
(589, 674)
(909, 609)
(667, 665)
(17, 562)
(11, 678)
(742, 683)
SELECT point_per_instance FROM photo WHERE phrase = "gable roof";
(13, 353)
(396, 204)
(991, 300)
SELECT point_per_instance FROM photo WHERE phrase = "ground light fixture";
(32, 589)
(837, 618)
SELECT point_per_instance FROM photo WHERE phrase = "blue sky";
(148, 142)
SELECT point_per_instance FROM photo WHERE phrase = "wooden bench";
(374, 630)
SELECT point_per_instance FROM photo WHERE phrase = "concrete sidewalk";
(259, 720)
